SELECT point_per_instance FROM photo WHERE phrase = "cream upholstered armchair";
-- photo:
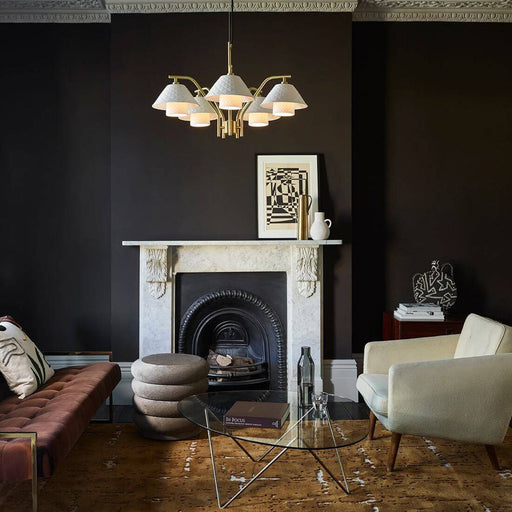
(454, 387)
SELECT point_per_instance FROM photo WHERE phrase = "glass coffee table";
(341, 423)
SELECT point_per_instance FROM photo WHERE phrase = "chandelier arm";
(243, 110)
(218, 111)
(221, 120)
(190, 79)
(275, 77)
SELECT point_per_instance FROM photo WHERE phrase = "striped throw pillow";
(21, 362)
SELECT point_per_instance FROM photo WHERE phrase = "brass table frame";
(344, 487)
(33, 458)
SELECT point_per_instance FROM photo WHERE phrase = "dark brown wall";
(54, 182)
(172, 182)
(432, 168)
(431, 171)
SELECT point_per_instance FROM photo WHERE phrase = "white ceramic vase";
(320, 229)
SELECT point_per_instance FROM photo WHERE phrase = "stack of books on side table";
(415, 312)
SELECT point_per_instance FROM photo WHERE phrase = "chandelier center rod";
(230, 37)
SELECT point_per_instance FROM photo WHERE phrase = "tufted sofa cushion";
(59, 412)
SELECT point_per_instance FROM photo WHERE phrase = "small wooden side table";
(393, 329)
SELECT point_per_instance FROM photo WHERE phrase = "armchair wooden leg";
(373, 420)
(491, 451)
(393, 450)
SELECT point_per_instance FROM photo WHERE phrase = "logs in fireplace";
(227, 370)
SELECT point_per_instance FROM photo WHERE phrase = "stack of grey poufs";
(160, 381)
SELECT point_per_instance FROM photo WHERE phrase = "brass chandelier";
(229, 100)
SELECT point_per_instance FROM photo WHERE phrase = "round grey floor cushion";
(167, 392)
(171, 429)
(170, 368)
(160, 382)
(161, 408)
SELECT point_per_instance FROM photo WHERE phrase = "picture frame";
(281, 179)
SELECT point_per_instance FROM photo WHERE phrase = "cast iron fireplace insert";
(232, 314)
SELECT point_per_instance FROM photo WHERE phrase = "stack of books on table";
(257, 414)
(415, 312)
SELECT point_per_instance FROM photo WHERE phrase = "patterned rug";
(113, 469)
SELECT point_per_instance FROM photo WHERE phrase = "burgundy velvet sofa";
(57, 412)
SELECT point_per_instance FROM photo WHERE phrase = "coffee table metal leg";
(288, 430)
(346, 489)
(333, 476)
(242, 447)
(252, 480)
(313, 452)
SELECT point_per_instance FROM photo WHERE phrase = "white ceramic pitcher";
(320, 229)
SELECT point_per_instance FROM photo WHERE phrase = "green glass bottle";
(305, 377)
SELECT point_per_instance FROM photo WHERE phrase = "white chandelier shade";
(284, 99)
(230, 92)
(202, 114)
(258, 116)
(258, 119)
(175, 99)
(176, 109)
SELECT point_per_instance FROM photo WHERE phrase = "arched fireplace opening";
(242, 337)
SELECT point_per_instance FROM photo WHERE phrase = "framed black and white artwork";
(281, 180)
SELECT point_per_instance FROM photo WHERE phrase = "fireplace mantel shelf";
(175, 243)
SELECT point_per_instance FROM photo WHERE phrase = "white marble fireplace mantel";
(174, 243)
(160, 261)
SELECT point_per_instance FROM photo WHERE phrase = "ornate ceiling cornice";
(435, 10)
(54, 17)
(99, 11)
(53, 11)
(138, 6)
